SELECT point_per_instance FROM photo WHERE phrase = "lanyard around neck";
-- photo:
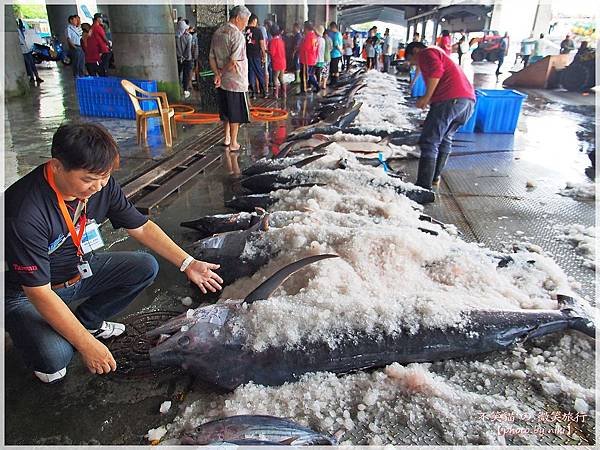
(65, 213)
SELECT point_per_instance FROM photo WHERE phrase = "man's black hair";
(308, 25)
(410, 48)
(252, 18)
(445, 33)
(87, 146)
(71, 17)
(275, 30)
(333, 25)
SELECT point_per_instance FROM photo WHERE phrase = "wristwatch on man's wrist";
(186, 263)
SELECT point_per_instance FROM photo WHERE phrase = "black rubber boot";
(439, 166)
(425, 173)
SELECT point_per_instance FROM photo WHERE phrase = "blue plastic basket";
(105, 97)
(469, 127)
(498, 110)
(419, 87)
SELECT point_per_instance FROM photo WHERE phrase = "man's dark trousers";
(442, 122)
(118, 277)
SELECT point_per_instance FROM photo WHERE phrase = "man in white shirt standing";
(388, 49)
(73, 34)
(348, 50)
(32, 72)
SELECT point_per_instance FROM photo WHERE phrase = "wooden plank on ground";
(139, 183)
(152, 199)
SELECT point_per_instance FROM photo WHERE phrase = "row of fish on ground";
(382, 282)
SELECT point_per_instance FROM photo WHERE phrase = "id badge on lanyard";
(92, 239)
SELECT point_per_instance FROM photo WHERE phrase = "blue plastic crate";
(469, 127)
(419, 87)
(498, 110)
(105, 97)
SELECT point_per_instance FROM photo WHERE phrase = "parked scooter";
(53, 50)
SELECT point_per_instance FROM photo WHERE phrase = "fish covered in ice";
(227, 250)
(255, 430)
(341, 121)
(209, 342)
(271, 181)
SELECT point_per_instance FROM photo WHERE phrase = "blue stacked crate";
(418, 87)
(469, 127)
(105, 97)
(498, 110)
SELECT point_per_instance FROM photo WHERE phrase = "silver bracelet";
(186, 263)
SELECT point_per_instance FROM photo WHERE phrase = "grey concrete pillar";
(144, 45)
(281, 11)
(291, 16)
(318, 14)
(295, 13)
(261, 10)
(58, 16)
(331, 15)
(312, 14)
(15, 76)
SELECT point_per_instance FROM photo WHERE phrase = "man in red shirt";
(451, 99)
(98, 35)
(308, 54)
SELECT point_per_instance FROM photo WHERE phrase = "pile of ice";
(390, 276)
(384, 107)
(340, 136)
(451, 402)
(583, 191)
(583, 239)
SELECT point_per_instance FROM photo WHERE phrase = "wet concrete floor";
(550, 146)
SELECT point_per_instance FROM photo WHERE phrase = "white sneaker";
(108, 330)
(50, 377)
(186, 94)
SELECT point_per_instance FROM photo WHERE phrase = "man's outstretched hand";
(201, 274)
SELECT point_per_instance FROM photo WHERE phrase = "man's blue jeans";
(30, 66)
(256, 72)
(78, 62)
(118, 277)
(442, 122)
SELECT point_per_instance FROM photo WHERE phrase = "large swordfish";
(206, 343)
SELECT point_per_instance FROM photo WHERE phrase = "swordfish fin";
(582, 315)
(308, 160)
(266, 288)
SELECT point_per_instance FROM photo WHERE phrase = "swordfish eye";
(183, 341)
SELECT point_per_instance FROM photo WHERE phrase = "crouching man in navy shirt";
(52, 218)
